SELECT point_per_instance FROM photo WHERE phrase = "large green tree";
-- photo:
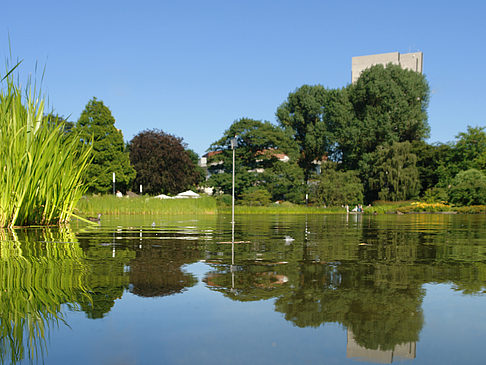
(162, 163)
(260, 146)
(386, 105)
(97, 126)
(303, 114)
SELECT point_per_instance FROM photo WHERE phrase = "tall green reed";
(41, 166)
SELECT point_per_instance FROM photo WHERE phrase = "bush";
(468, 188)
(256, 197)
(225, 199)
(436, 195)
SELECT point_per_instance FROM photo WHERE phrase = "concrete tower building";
(410, 61)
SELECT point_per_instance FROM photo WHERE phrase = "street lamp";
(233, 147)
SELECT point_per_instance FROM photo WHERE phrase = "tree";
(431, 163)
(337, 188)
(391, 172)
(468, 152)
(303, 116)
(260, 145)
(162, 163)
(389, 104)
(468, 188)
(97, 126)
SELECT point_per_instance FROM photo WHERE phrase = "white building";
(410, 61)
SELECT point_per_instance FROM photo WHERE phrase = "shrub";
(256, 197)
(468, 188)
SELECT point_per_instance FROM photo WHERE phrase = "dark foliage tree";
(162, 163)
(55, 120)
(431, 162)
(97, 126)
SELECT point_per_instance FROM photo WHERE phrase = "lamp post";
(113, 183)
(233, 147)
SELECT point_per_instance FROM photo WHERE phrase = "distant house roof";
(212, 153)
(272, 152)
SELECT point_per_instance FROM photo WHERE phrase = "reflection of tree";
(156, 271)
(379, 317)
(39, 271)
(106, 277)
(248, 282)
(366, 274)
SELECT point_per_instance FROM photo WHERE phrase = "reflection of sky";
(455, 327)
(199, 326)
(204, 327)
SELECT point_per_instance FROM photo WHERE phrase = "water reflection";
(365, 273)
(39, 271)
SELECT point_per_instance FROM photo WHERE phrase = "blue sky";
(190, 68)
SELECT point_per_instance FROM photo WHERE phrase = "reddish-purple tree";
(162, 163)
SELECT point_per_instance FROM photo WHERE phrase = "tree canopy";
(386, 105)
(302, 114)
(162, 163)
(260, 148)
(96, 125)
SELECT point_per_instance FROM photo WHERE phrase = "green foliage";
(336, 188)
(472, 209)
(386, 105)
(42, 167)
(260, 145)
(285, 181)
(467, 152)
(36, 279)
(468, 188)
(256, 197)
(391, 173)
(303, 115)
(162, 163)
(96, 126)
(436, 195)
(431, 163)
(200, 173)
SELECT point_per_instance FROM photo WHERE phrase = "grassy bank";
(282, 209)
(111, 205)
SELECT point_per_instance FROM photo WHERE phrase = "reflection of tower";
(404, 351)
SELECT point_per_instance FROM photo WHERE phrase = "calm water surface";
(289, 290)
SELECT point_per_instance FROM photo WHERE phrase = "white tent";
(188, 194)
(163, 196)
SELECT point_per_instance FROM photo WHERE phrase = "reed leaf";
(41, 167)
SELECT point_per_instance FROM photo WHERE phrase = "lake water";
(275, 290)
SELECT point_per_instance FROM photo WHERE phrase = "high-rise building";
(410, 61)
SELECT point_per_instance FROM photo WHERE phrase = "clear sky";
(190, 68)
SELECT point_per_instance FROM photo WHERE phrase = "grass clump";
(111, 205)
(42, 166)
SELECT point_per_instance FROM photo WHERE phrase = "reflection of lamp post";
(233, 147)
